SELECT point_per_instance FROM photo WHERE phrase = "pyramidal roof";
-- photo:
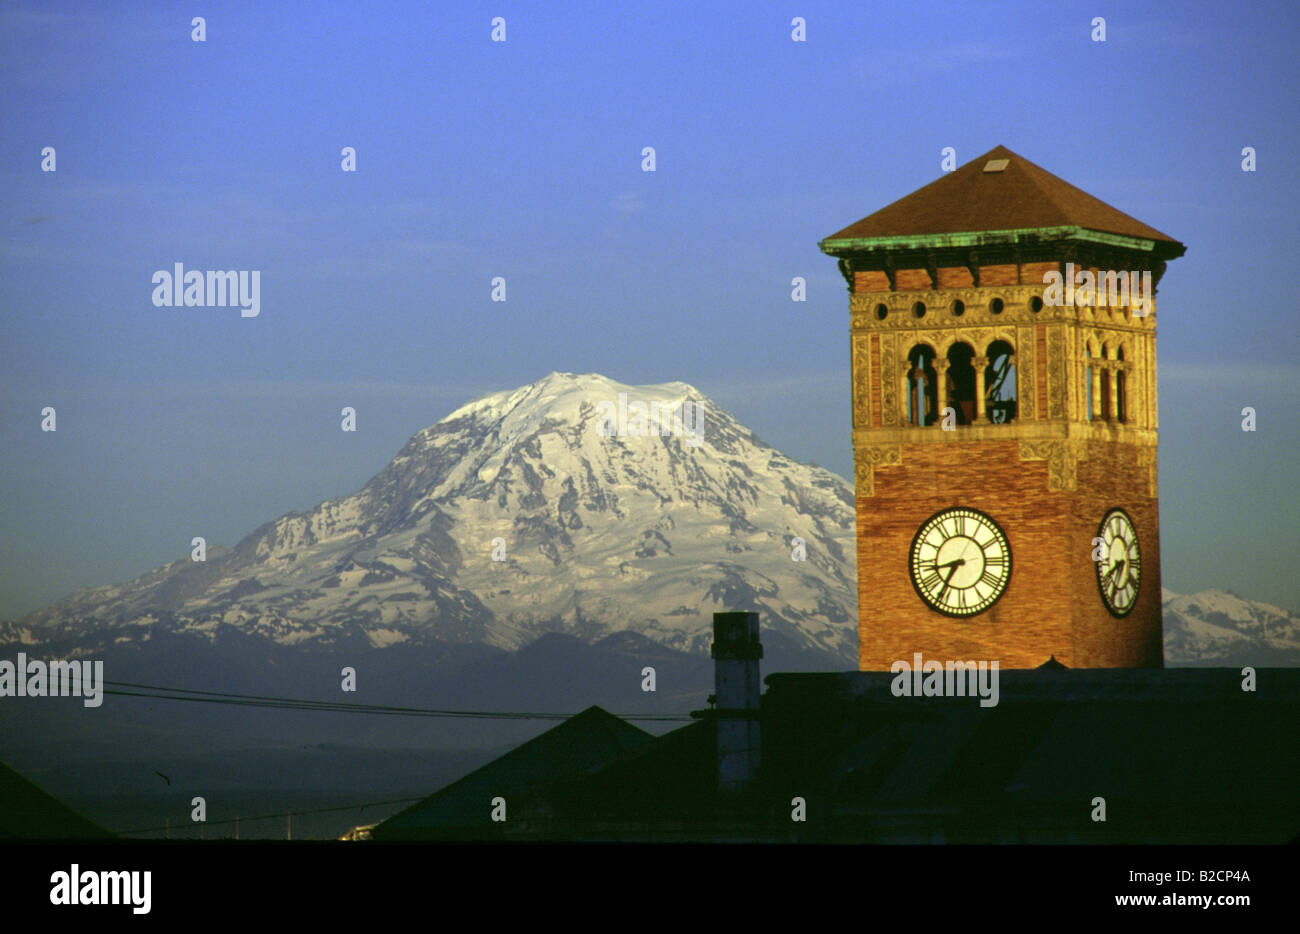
(579, 745)
(998, 191)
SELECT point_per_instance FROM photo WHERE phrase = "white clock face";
(960, 562)
(1119, 572)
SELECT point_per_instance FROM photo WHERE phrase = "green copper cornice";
(982, 238)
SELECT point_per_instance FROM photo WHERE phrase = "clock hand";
(955, 565)
(1113, 585)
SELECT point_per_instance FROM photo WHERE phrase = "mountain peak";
(561, 394)
(573, 504)
(1218, 627)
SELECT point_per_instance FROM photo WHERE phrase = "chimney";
(736, 651)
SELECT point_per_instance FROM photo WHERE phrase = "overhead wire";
(160, 692)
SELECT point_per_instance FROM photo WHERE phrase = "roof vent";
(996, 165)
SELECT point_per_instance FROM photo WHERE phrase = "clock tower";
(1003, 356)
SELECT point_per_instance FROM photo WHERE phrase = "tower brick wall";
(941, 284)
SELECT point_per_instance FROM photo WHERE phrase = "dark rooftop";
(1179, 755)
(28, 813)
(577, 746)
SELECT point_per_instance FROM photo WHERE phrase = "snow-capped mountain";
(1214, 627)
(576, 504)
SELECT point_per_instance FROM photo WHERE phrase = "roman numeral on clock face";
(1118, 576)
(960, 562)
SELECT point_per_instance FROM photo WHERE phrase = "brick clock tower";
(1003, 348)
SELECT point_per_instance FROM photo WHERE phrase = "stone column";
(1111, 370)
(1094, 364)
(980, 363)
(941, 390)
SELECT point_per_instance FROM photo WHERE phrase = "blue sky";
(523, 159)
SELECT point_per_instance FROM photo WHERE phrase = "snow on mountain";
(1216, 627)
(600, 523)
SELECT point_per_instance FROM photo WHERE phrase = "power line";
(290, 703)
(161, 692)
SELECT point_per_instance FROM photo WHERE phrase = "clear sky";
(523, 159)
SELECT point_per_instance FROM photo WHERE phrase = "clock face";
(1119, 572)
(960, 562)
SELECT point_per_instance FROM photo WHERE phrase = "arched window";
(1087, 381)
(1105, 385)
(1000, 383)
(920, 386)
(961, 382)
(1120, 391)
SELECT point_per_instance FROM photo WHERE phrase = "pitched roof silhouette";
(1017, 196)
(579, 745)
(28, 813)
